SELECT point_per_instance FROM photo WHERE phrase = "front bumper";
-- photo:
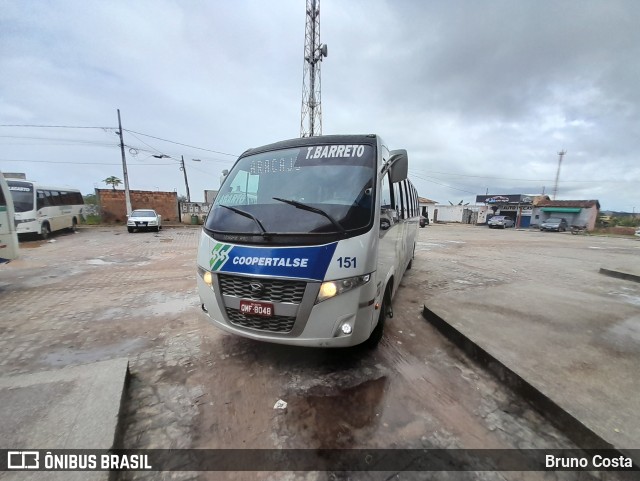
(315, 325)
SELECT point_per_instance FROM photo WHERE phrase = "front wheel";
(378, 331)
(45, 231)
(74, 225)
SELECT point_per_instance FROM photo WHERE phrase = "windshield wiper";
(300, 205)
(265, 234)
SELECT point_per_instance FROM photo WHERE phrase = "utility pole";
(555, 185)
(314, 51)
(186, 182)
(127, 197)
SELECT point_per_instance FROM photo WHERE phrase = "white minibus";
(307, 241)
(42, 209)
(8, 236)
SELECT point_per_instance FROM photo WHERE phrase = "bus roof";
(369, 139)
(38, 185)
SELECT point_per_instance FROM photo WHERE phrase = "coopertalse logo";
(219, 255)
(23, 460)
(308, 262)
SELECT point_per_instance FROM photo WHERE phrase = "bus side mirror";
(399, 161)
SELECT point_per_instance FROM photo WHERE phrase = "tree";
(113, 181)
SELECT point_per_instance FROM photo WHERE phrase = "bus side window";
(397, 198)
(42, 200)
(55, 198)
(405, 190)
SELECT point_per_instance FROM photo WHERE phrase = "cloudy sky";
(483, 95)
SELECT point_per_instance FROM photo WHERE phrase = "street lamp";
(182, 168)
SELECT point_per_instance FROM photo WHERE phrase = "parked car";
(638, 232)
(423, 221)
(555, 223)
(144, 219)
(501, 221)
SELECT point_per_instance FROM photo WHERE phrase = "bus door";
(401, 246)
(8, 236)
(391, 243)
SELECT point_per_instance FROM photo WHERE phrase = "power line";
(444, 185)
(179, 143)
(516, 179)
(68, 162)
(57, 126)
(115, 128)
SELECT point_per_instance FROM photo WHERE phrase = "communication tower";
(555, 185)
(314, 52)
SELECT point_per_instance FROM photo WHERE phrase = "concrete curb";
(575, 430)
(628, 276)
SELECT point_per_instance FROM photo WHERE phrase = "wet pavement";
(542, 308)
(103, 294)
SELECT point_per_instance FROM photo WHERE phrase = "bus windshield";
(22, 195)
(311, 189)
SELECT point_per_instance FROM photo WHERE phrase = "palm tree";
(113, 181)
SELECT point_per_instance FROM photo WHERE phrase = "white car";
(638, 232)
(144, 219)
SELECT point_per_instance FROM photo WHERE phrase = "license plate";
(143, 224)
(254, 308)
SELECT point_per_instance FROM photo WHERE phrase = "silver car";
(144, 219)
(501, 221)
(555, 223)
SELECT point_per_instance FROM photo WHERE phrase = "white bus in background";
(308, 240)
(42, 209)
(8, 236)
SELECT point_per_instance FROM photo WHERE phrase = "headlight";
(334, 288)
(206, 275)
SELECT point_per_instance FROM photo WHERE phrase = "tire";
(413, 255)
(157, 229)
(74, 225)
(45, 231)
(130, 230)
(378, 331)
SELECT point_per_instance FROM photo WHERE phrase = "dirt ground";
(102, 293)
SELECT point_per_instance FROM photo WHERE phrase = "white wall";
(449, 213)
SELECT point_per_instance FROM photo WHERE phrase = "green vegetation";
(92, 219)
(613, 221)
(113, 181)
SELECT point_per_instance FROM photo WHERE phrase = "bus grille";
(274, 290)
(271, 324)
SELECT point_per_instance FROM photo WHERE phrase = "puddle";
(64, 357)
(162, 305)
(326, 417)
(31, 245)
(625, 335)
(426, 246)
(630, 298)
(99, 262)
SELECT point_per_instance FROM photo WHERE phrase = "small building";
(517, 206)
(576, 212)
(426, 207)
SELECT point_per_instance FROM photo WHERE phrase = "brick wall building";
(113, 206)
